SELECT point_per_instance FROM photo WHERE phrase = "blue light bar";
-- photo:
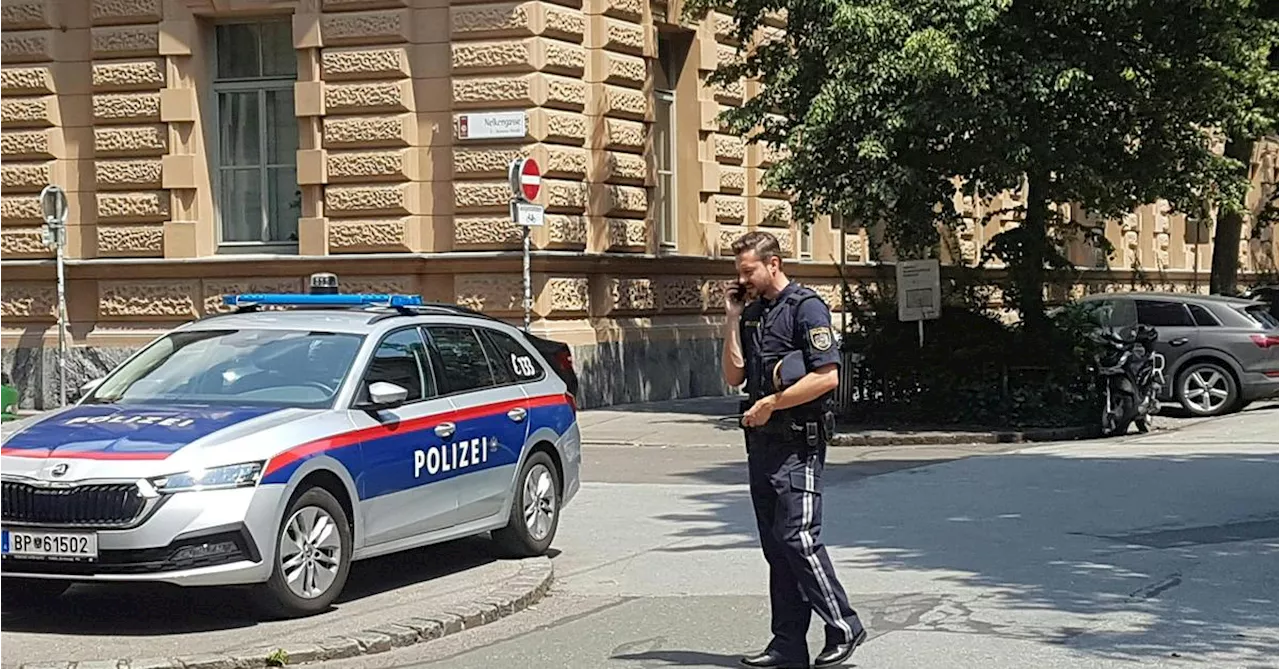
(333, 300)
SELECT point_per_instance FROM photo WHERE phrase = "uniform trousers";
(786, 491)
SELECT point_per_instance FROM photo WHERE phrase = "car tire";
(30, 592)
(312, 557)
(1207, 389)
(535, 510)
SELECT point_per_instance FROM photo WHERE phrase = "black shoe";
(770, 659)
(836, 653)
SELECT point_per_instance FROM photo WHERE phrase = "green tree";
(883, 105)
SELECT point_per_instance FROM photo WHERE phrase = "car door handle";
(445, 430)
(517, 414)
(1178, 341)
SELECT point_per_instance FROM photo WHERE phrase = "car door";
(491, 410)
(402, 491)
(1178, 334)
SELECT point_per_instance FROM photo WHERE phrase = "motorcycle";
(1126, 369)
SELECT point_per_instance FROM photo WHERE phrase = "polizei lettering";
(163, 421)
(448, 457)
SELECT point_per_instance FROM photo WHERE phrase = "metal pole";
(528, 283)
(62, 326)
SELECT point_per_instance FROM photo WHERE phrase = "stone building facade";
(215, 146)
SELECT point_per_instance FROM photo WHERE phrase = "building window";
(806, 240)
(258, 198)
(671, 51)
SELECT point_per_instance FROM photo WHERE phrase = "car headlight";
(216, 478)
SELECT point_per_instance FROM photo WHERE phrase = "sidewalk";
(713, 421)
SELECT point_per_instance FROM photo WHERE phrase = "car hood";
(108, 432)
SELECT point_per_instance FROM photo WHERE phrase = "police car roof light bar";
(321, 300)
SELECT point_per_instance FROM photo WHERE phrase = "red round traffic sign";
(530, 179)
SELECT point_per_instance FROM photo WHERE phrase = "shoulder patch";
(821, 338)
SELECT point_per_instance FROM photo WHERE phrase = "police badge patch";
(821, 338)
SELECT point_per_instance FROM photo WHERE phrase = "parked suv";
(274, 448)
(1215, 354)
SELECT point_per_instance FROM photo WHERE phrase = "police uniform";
(782, 340)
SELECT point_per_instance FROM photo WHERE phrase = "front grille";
(98, 505)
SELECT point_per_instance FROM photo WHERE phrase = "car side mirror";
(90, 386)
(385, 395)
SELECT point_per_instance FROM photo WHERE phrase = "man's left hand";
(759, 413)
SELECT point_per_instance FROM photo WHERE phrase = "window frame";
(262, 86)
(357, 402)
(667, 232)
(1192, 307)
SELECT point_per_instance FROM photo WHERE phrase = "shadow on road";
(1161, 554)
(157, 609)
(681, 658)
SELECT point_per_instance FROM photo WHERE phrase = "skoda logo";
(59, 469)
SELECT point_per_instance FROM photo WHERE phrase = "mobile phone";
(738, 292)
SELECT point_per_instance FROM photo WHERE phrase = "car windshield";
(249, 367)
(1260, 313)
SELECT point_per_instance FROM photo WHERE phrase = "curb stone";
(527, 588)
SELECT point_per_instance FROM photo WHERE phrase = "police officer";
(772, 326)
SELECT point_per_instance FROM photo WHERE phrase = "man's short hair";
(763, 243)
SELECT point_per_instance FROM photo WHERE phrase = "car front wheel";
(313, 557)
(535, 510)
(1207, 389)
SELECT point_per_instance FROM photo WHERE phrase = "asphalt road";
(1158, 550)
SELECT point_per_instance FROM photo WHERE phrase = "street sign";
(526, 214)
(493, 125)
(919, 290)
(525, 179)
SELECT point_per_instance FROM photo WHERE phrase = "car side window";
(1202, 317)
(1117, 312)
(460, 355)
(515, 361)
(401, 359)
(1158, 313)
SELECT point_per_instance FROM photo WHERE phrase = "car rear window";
(1260, 314)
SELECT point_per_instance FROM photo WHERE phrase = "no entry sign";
(525, 178)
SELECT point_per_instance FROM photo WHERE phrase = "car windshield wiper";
(102, 400)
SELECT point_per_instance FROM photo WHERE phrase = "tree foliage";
(882, 105)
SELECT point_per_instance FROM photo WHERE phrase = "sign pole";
(53, 203)
(526, 182)
(528, 281)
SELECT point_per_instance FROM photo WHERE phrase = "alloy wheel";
(1206, 389)
(310, 552)
(539, 502)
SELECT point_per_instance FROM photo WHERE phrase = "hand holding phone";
(735, 298)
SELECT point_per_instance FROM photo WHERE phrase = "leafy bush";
(973, 370)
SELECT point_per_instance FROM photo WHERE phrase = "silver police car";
(275, 446)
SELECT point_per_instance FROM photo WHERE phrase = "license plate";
(48, 545)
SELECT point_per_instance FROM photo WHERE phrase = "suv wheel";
(30, 592)
(535, 510)
(1207, 389)
(313, 557)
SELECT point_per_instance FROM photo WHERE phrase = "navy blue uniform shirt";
(797, 320)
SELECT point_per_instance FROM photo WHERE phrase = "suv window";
(463, 363)
(1158, 313)
(401, 359)
(1202, 316)
(511, 362)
